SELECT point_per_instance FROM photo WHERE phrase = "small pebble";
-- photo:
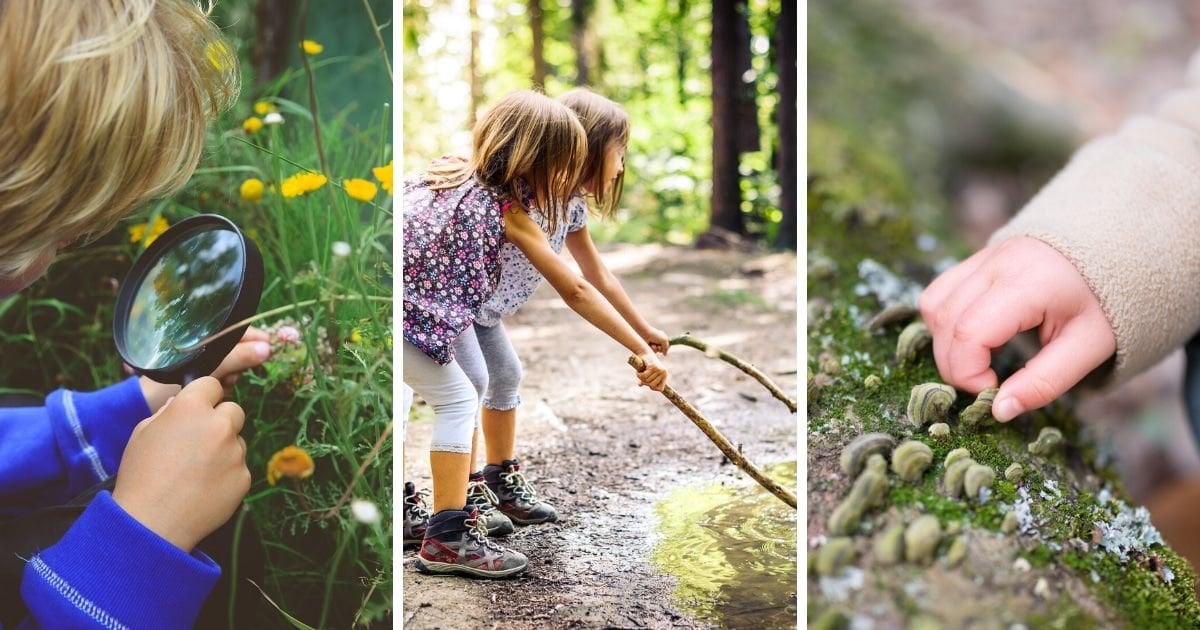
(1042, 588)
(1021, 564)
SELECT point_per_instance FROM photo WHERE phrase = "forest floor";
(604, 451)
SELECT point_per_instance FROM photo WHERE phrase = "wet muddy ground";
(609, 454)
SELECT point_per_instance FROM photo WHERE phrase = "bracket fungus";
(835, 554)
(1047, 440)
(855, 454)
(980, 411)
(939, 430)
(896, 313)
(911, 459)
(952, 479)
(954, 456)
(921, 538)
(913, 339)
(929, 402)
(1014, 472)
(976, 479)
(889, 545)
(868, 491)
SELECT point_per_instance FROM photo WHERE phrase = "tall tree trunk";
(785, 158)
(539, 37)
(581, 39)
(748, 131)
(274, 27)
(726, 213)
(473, 65)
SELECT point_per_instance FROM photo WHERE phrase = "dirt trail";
(603, 450)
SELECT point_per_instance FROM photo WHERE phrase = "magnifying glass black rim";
(203, 360)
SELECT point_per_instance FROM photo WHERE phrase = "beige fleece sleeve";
(1126, 212)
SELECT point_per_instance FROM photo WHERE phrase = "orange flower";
(289, 461)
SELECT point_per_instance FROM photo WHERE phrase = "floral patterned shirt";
(452, 242)
(518, 277)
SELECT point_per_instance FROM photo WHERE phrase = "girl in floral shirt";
(607, 127)
(528, 152)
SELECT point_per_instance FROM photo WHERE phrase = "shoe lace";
(478, 531)
(486, 506)
(519, 486)
(416, 504)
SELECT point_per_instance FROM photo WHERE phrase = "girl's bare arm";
(583, 250)
(579, 294)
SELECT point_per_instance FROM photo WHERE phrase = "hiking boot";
(480, 497)
(456, 542)
(416, 515)
(516, 497)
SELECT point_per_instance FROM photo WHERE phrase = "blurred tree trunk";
(785, 158)
(726, 213)
(748, 133)
(473, 65)
(274, 38)
(581, 39)
(539, 56)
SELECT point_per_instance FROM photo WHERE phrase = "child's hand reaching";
(249, 353)
(652, 374)
(1004, 289)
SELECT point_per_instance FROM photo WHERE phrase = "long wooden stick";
(755, 373)
(721, 441)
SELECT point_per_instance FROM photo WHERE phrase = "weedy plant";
(314, 191)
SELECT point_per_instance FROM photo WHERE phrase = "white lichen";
(886, 286)
(837, 587)
(1130, 531)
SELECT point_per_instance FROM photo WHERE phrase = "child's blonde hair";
(525, 135)
(103, 106)
(605, 123)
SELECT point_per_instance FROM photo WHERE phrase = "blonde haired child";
(501, 483)
(528, 150)
(103, 106)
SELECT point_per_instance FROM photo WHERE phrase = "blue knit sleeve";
(109, 571)
(52, 453)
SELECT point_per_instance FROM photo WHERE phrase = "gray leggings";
(504, 372)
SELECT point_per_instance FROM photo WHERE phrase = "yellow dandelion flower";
(356, 336)
(145, 233)
(252, 124)
(252, 190)
(301, 183)
(262, 108)
(384, 175)
(289, 461)
(311, 47)
(359, 189)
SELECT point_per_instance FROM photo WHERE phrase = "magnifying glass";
(195, 280)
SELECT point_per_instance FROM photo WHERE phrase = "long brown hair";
(605, 123)
(526, 136)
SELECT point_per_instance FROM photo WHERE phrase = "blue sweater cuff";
(92, 429)
(110, 568)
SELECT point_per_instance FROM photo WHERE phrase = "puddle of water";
(733, 550)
